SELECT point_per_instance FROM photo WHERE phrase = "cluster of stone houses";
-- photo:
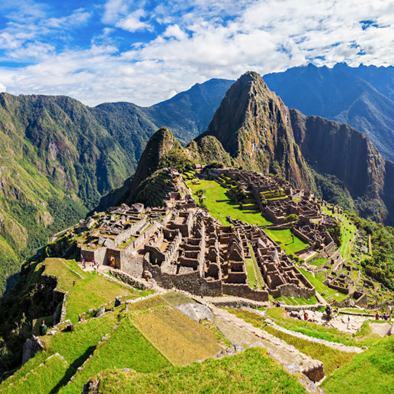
(281, 276)
(190, 250)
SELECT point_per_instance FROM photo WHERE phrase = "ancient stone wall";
(245, 291)
(142, 238)
(291, 290)
(302, 236)
(191, 282)
(97, 255)
(126, 234)
(335, 287)
(362, 301)
(126, 278)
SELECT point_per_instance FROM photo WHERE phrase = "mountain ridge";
(359, 96)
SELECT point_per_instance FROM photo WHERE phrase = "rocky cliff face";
(253, 125)
(347, 154)
(362, 97)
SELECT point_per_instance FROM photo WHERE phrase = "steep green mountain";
(55, 161)
(253, 125)
(359, 96)
(334, 160)
(164, 150)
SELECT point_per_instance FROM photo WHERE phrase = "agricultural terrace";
(331, 358)
(86, 290)
(317, 281)
(248, 372)
(220, 206)
(348, 231)
(364, 337)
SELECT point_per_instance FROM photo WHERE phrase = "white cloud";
(114, 8)
(133, 22)
(2, 88)
(174, 31)
(77, 18)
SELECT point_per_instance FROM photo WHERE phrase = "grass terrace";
(331, 358)
(365, 337)
(298, 301)
(371, 372)
(41, 379)
(249, 372)
(179, 338)
(317, 282)
(318, 263)
(94, 291)
(86, 290)
(126, 348)
(75, 347)
(285, 240)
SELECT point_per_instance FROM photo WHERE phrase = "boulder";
(196, 311)
(109, 243)
(100, 312)
(30, 348)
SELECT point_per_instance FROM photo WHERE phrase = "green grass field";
(220, 210)
(126, 348)
(250, 272)
(88, 290)
(318, 263)
(371, 372)
(179, 338)
(317, 282)
(298, 301)
(93, 292)
(285, 240)
(249, 372)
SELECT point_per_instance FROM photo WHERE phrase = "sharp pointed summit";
(253, 125)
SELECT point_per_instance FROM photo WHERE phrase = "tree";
(291, 218)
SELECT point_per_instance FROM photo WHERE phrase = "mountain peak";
(253, 125)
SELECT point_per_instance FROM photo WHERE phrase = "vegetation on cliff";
(254, 127)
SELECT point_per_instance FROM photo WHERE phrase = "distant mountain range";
(362, 97)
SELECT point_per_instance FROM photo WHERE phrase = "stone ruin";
(275, 197)
(281, 277)
(185, 249)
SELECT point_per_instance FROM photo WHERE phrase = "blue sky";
(146, 51)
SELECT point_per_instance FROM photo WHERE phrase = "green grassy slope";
(248, 372)
(126, 348)
(371, 372)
